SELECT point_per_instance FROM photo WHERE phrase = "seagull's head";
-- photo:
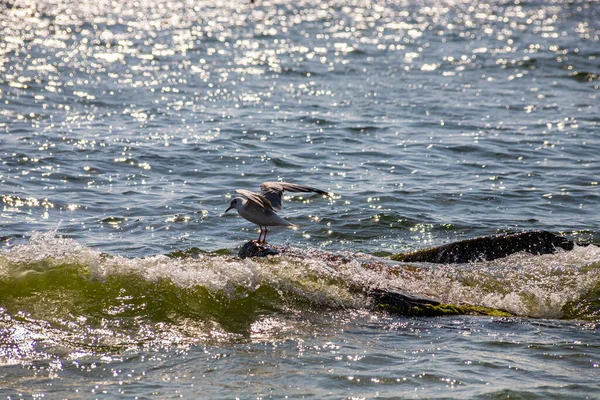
(235, 203)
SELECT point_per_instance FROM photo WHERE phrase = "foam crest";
(44, 251)
(311, 280)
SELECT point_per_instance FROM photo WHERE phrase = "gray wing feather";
(273, 191)
(256, 198)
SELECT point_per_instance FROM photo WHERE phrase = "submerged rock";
(388, 299)
(392, 300)
(488, 248)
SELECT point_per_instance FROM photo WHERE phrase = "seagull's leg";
(260, 233)
(265, 238)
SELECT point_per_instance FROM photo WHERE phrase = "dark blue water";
(125, 128)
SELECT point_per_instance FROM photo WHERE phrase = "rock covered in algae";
(487, 248)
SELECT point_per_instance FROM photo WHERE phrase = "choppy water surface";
(126, 127)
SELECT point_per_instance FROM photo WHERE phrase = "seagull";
(261, 208)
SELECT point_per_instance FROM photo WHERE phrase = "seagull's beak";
(229, 208)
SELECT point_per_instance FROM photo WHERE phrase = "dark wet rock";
(255, 249)
(399, 301)
(488, 248)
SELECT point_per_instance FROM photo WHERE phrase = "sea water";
(126, 126)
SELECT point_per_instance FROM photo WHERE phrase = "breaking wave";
(75, 296)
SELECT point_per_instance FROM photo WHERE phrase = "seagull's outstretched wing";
(256, 198)
(273, 191)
